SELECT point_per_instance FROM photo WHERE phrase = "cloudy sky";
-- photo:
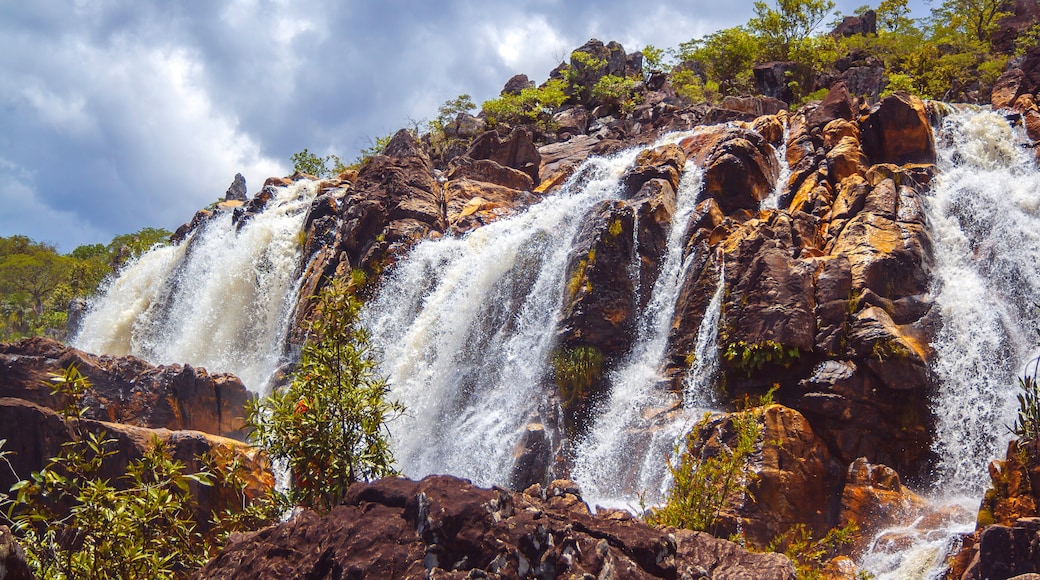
(121, 114)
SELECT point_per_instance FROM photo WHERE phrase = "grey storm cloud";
(117, 115)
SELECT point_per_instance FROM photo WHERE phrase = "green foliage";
(751, 357)
(790, 22)
(74, 524)
(653, 60)
(707, 479)
(727, 57)
(975, 19)
(1027, 40)
(613, 90)
(810, 555)
(330, 424)
(1027, 424)
(534, 105)
(37, 283)
(450, 110)
(311, 164)
(576, 371)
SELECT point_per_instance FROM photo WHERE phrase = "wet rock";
(1007, 88)
(471, 204)
(563, 157)
(445, 527)
(665, 162)
(127, 389)
(875, 498)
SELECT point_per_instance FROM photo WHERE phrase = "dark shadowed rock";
(863, 24)
(516, 151)
(443, 527)
(740, 166)
(13, 565)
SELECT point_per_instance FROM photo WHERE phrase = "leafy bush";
(1027, 423)
(810, 555)
(75, 525)
(532, 105)
(706, 479)
(330, 425)
(751, 357)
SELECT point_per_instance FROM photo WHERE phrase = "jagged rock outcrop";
(443, 527)
(127, 389)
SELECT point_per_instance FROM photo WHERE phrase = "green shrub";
(330, 425)
(707, 479)
(75, 525)
(534, 105)
(751, 357)
(1027, 423)
(810, 555)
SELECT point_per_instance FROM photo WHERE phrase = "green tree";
(450, 110)
(727, 57)
(976, 19)
(789, 23)
(127, 246)
(36, 275)
(330, 425)
(309, 163)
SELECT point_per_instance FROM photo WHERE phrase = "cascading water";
(466, 324)
(773, 200)
(222, 299)
(622, 430)
(984, 211)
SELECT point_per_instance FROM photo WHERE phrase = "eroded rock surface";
(444, 527)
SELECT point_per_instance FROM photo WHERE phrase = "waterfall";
(466, 326)
(222, 298)
(773, 200)
(984, 212)
(623, 428)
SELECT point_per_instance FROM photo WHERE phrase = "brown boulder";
(897, 131)
(796, 480)
(127, 389)
(837, 104)
(470, 204)
(488, 171)
(443, 527)
(875, 498)
(890, 258)
(740, 166)
(1007, 88)
(516, 151)
(665, 162)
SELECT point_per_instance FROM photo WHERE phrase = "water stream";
(984, 213)
(222, 299)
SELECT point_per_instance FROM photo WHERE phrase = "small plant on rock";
(706, 478)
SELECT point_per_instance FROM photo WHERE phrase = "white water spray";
(984, 210)
(466, 326)
(773, 200)
(632, 422)
(221, 299)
